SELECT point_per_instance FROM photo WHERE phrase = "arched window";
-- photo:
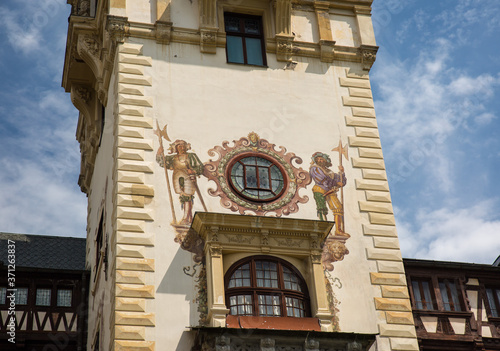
(266, 286)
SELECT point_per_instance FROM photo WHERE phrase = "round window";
(257, 178)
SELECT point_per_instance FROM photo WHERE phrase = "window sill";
(463, 314)
(275, 323)
(246, 65)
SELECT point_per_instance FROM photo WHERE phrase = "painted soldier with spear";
(186, 168)
(327, 184)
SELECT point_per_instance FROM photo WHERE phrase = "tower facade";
(237, 194)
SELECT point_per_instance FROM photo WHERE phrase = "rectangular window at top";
(450, 295)
(22, 296)
(64, 297)
(494, 301)
(3, 295)
(43, 297)
(244, 39)
(423, 295)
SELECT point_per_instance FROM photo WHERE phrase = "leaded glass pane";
(254, 51)
(427, 295)
(64, 297)
(251, 176)
(291, 280)
(241, 305)
(294, 307)
(22, 296)
(264, 178)
(237, 170)
(416, 295)
(269, 305)
(240, 277)
(263, 162)
(252, 26)
(234, 49)
(3, 295)
(232, 24)
(267, 274)
(43, 297)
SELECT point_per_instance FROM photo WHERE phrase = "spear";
(342, 151)
(162, 133)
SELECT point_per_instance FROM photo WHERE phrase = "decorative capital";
(216, 251)
(163, 32)
(117, 27)
(316, 258)
(208, 40)
(368, 55)
(284, 47)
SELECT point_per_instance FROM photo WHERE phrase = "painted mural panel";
(252, 176)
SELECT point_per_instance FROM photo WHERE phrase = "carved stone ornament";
(222, 343)
(368, 55)
(295, 178)
(117, 27)
(284, 47)
(208, 40)
(163, 32)
(311, 345)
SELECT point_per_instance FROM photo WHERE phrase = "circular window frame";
(232, 163)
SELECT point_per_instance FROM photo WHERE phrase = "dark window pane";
(234, 49)
(492, 303)
(64, 297)
(3, 295)
(254, 51)
(264, 178)
(252, 26)
(232, 24)
(43, 297)
(22, 296)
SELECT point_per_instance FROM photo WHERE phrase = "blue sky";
(436, 87)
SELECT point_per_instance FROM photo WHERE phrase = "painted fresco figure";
(186, 167)
(327, 184)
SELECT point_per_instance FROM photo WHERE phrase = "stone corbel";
(208, 40)
(284, 47)
(117, 28)
(368, 55)
(284, 37)
(222, 343)
(327, 50)
(208, 26)
(81, 97)
(267, 344)
(163, 32)
(311, 345)
(89, 49)
(354, 346)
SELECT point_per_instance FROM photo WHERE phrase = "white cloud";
(423, 105)
(462, 234)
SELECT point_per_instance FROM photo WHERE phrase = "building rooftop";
(45, 252)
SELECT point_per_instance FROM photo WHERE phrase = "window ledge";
(275, 323)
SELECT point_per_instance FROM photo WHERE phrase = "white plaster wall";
(184, 13)
(206, 101)
(344, 30)
(305, 26)
(101, 303)
(141, 11)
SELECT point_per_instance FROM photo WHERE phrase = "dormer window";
(266, 286)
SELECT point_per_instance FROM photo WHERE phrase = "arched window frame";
(296, 240)
(280, 291)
